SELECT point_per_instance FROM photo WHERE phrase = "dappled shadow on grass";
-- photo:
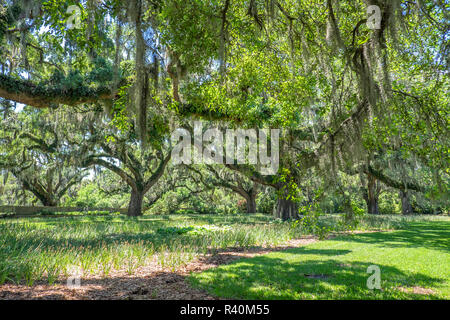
(245, 219)
(320, 274)
(309, 273)
(31, 251)
(326, 252)
(267, 277)
(430, 235)
(91, 231)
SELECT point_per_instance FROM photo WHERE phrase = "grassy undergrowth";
(48, 248)
(414, 263)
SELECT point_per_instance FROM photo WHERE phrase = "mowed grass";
(414, 264)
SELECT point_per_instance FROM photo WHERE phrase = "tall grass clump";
(51, 248)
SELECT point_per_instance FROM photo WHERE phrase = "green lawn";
(416, 256)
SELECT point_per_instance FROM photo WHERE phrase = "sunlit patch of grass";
(414, 264)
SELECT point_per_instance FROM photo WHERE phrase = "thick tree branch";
(93, 160)
(28, 93)
(391, 182)
(158, 173)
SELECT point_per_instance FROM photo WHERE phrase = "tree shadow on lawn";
(267, 277)
(430, 235)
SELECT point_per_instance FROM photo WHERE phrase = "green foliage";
(90, 196)
(102, 71)
(168, 204)
(389, 203)
(76, 83)
(311, 223)
(346, 99)
(266, 201)
(8, 15)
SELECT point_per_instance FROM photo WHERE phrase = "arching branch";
(39, 96)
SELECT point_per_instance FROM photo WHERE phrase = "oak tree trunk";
(135, 206)
(48, 203)
(372, 196)
(251, 204)
(372, 206)
(47, 198)
(285, 209)
(406, 205)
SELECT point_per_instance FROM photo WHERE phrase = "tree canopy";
(356, 87)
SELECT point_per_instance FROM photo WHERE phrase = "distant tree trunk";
(285, 209)
(47, 202)
(406, 205)
(251, 203)
(46, 198)
(372, 206)
(371, 195)
(135, 206)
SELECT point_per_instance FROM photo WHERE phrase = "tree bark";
(372, 206)
(406, 205)
(48, 202)
(45, 197)
(25, 92)
(251, 203)
(371, 195)
(285, 209)
(135, 206)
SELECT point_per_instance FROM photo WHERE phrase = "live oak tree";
(139, 175)
(35, 150)
(408, 176)
(119, 151)
(371, 192)
(215, 176)
(177, 189)
(340, 81)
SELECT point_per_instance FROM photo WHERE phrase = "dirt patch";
(149, 282)
(416, 290)
(344, 265)
(317, 276)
